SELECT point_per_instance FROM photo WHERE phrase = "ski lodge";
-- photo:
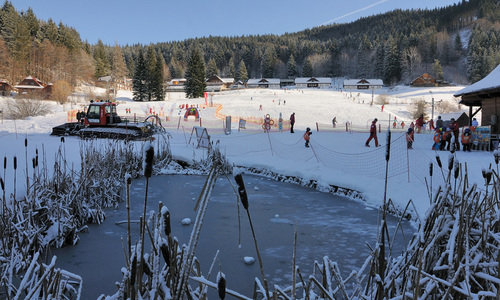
(363, 84)
(484, 96)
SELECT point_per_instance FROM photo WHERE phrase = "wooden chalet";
(175, 85)
(32, 86)
(5, 87)
(425, 80)
(363, 84)
(266, 83)
(216, 83)
(484, 96)
(313, 82)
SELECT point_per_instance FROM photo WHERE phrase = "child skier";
(307, 136)
(466, 136)
(409, 138)
(437, 140)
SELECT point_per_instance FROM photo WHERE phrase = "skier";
(439, 122)
(466, 137)
(402, 124)
(292, 122)
(373, 133)
(420, 123)
(307, 136)
(437, 139)
(334, 122)
(409, 138)
(455, 128)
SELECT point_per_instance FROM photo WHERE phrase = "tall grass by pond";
(453, 255)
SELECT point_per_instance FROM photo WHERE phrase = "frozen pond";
(327, 224)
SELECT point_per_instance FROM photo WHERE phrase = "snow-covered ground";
(336, 157)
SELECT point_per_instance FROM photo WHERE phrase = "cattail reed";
(430, 168)
(150, 153)
(148, 171)
(451, 158)
(165, 253)
(15, 176)
(488, 176)
(457, 169)
(128, 183)
(165, 214)
(221, 285)
(438, 160)
(244, 200)
(241, 190)
(26, 170)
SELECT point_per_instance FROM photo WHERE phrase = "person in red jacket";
(420, 123)
(373, 133)
(409, 138)
(455, 128)
(307, 136)
(466, 136)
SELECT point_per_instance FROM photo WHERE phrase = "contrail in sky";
(356, 11)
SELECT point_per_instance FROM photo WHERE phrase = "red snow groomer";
(102, 121)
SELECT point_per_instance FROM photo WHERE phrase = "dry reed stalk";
(202, 205)
(244, 200)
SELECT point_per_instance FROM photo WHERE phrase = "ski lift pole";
(270, 144)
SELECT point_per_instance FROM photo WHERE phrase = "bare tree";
(61, 91)
(411, 62)
(26, 107)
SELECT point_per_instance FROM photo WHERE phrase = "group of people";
(448, 137)
(80, 115)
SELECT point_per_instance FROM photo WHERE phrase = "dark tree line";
(397, 46)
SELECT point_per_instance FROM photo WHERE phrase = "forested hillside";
(458, 43)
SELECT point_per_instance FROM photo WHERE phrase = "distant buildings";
(31, 86)
(313, 82)
(363, 84)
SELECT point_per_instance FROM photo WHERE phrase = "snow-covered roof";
(363, 82)
(492, 81)
(28, 87)
(313, 79)
(264, 81)
(449, 116)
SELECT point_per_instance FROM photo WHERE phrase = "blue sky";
(153, 21)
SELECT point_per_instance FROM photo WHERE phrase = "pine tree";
(8, 22)
(50, 30)
(159, 89)
(212, 68)
(243, 74)
(32, 22)
(437, 69)
(101, 60)
(291, 67)
(307, 70)
(22, 43)
(231, 69)
(392, 63)
(151, 76)
(195, 75)
(139, 80)
(268, 64)
(119, 68)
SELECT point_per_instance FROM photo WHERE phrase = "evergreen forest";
(459, 44)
